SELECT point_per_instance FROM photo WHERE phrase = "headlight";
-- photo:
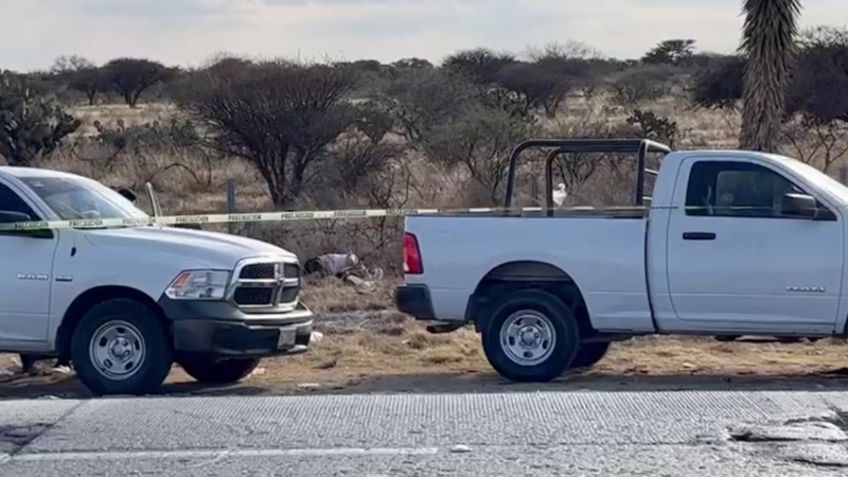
(199, 285)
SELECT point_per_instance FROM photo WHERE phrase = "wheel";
(217, 371)
(531, 337)
(589, 354)
(121, 347)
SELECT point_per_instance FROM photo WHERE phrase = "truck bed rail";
(640, 147)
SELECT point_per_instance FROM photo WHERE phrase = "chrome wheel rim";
(528, 337)
(117, 350)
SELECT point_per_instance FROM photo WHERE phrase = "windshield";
(821, 180)
(73, 198)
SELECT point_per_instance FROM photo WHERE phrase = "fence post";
(231, 203)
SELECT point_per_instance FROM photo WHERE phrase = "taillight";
(411, 255)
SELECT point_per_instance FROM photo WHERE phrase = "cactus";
(30, 125)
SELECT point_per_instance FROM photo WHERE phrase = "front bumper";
(415, 300)
(221, 329)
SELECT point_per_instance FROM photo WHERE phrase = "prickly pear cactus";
(30, 125)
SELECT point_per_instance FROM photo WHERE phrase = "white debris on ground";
(560, 194)
(46, 368)
(258, 372)
(316, 337)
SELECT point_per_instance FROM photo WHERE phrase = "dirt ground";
(375, 350)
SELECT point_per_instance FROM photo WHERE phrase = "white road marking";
(219, 453)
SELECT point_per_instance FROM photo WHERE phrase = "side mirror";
(799, 205)
(10, 217)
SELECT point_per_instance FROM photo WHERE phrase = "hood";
(198, 248)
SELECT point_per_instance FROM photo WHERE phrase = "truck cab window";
(735, 189)
(11, 202)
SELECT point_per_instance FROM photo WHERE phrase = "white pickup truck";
(732, 243)
(124, 303)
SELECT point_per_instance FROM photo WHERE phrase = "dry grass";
(330, 296)
(110, 114)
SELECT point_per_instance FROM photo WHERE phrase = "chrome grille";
(254, 296)
(266, 285)
(258, 271)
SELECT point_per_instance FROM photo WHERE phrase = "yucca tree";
(768, 39)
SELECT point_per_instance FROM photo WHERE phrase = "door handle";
(699, 236)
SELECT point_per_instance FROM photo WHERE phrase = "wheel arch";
(88, 299)
(521, 275)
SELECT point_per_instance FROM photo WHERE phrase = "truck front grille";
(258, 271)
(267, 286)
(253, 296)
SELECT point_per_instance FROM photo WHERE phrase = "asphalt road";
(547, 433)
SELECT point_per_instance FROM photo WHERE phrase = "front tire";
(531, 337)
(218, 371)
(121, 347)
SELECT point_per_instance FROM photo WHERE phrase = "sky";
(190, 32)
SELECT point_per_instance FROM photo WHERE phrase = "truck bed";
(603, 251)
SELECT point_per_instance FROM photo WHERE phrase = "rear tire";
(589, 354)
(531, 337)
(212, 370)
(121, 347)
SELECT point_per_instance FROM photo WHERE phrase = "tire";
(538, 318)
(212, 370)
(589, 354)
(120, 346)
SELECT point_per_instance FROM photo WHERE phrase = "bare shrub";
(539, 86)
(720, 86)
(422, 100)
(481, 65)
(282, 117)
(81, 75)
(640, 84)
(131, 77)
(819, 143)
(480, 142)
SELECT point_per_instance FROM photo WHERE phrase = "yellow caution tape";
(353, 214)
(200, 219)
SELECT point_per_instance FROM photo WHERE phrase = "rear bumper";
(415, 300)
(221, 329)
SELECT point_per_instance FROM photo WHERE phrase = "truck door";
(738, 261)
(26, 262)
